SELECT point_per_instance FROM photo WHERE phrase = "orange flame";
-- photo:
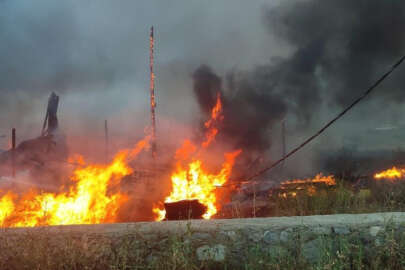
(6, 206)
(192, 181)
(77, 160)
(212, 130)
(309, 186)
(195, 183)
(86, 202)
(319, 178)
(391, 174)
(160, 213)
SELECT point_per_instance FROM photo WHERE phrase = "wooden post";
(106, 140)
(152, 93)
(13, 151)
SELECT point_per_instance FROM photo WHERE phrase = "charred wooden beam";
(186, 209)
(51, 119)
(13, 144)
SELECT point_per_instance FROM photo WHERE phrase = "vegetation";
(343, 198)
(375, 196)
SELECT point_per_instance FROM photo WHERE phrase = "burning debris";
(238, 119)
(187, 209)
(38, 154)
(51, 119)
(392, 174)
(309, 185)
(319, 179)
(190, 180)
(257, 197)
(93, 194)
(88, 201)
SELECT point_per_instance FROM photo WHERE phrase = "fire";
(77, 159)
(292, 186)
(392, 174)
(319, 178)
(160, 213)
(88, 201)
(216, 115)
(191, 180)
(6, 206)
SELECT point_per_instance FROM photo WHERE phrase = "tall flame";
(87, 201)
(391, 174)
(190, 180)
(210, 125)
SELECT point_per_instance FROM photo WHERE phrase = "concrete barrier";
(219, 240)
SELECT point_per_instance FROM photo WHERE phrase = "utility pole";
(13, 139)
(152, 93)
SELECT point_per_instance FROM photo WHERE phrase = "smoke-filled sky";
(305, 59)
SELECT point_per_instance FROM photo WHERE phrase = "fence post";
(13, 139)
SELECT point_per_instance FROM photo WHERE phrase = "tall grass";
(376, 196)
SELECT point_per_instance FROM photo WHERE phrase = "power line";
(355, 102)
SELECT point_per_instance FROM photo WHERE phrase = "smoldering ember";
(148, 135)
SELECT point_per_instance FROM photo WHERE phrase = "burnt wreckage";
(38, 153)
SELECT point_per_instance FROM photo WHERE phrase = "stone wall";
(220, 240)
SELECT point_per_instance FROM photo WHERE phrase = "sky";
(307, 59)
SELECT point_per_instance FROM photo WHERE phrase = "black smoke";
(344, 45)
(249, 110)
(318, 51)
(339, 48)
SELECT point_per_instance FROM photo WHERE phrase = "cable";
(366, 93)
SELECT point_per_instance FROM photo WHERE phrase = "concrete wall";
(218, 240)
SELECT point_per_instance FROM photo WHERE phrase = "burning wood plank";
(186, 209)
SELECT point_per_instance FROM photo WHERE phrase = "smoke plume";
(301, 60)
(341, 46)
(248, 109)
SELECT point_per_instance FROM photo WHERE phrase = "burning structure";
(51, 119)
(201, 168)
(86, 201)
(93, 193)
(38, 154)
(191, 181)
